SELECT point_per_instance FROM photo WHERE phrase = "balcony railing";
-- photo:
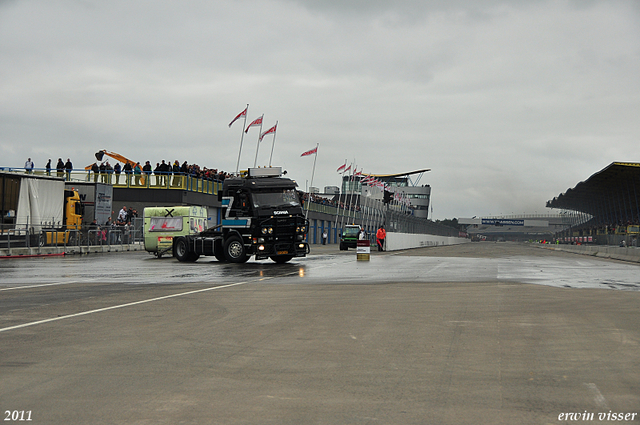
(138, 181)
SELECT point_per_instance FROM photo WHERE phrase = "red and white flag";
(347, 169)
(271, 130)
(311, 152)
(341, 168)
(240, 115)
(257, 121)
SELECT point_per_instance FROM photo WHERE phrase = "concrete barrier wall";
(53, 250)
(631, 253)
(398, 241)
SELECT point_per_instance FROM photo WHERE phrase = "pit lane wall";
(398, 241)
(627, 253)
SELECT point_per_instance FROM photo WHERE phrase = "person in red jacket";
(381, 234)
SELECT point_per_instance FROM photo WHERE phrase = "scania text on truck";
(262, 217)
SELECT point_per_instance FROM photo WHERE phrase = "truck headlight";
(264, 230)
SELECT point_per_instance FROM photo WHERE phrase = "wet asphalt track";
(327, 265)
(480, 333)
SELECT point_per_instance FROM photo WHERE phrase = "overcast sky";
(509, 103)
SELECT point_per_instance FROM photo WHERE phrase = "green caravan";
(162, 224)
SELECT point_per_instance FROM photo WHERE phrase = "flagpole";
(344, 208)
(344, 215)
(352, 181)
(255, 161)
(351, 193)
(368, 215)
(335, 225)
(273, 143)
(306, 215)
(246, 112)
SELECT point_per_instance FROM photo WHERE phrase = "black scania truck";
(261, 216)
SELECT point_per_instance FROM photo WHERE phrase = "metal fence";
(15, 238)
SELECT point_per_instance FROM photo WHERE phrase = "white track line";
(38, 286)
(99, 310)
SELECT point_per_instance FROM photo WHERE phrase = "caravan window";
(165, 224)
(196, 224)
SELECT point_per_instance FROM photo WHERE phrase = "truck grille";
(284, 229)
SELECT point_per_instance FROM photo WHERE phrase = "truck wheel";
(343, 247)
(181, 251)
(281, 259)
(234, 250)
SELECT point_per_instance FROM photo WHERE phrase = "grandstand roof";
(610, 194)
(408, 173)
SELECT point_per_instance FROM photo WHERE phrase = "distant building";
(331, 190)
(418, 196)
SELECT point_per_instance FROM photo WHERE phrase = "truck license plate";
(283, 252)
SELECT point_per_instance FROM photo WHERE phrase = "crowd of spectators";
(113, 232)
(106, 172)
(618, 227)
(162, 173)
(63, 169)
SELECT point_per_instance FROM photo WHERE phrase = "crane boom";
(114, 155)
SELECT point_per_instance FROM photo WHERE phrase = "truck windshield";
(351, 232)
(275, 199)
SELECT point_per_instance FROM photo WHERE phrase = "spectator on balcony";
(28, 166)
(96, 170)
(68, 167)
(103, 172)
(128, 170)
(109, 172)
(176, 172)
(117, 169)
(157, 173)
(147, 173)
(137, 171)
(60, 168)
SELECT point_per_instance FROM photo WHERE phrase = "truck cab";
(349, 237)
(69, 232)
(262, 217)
